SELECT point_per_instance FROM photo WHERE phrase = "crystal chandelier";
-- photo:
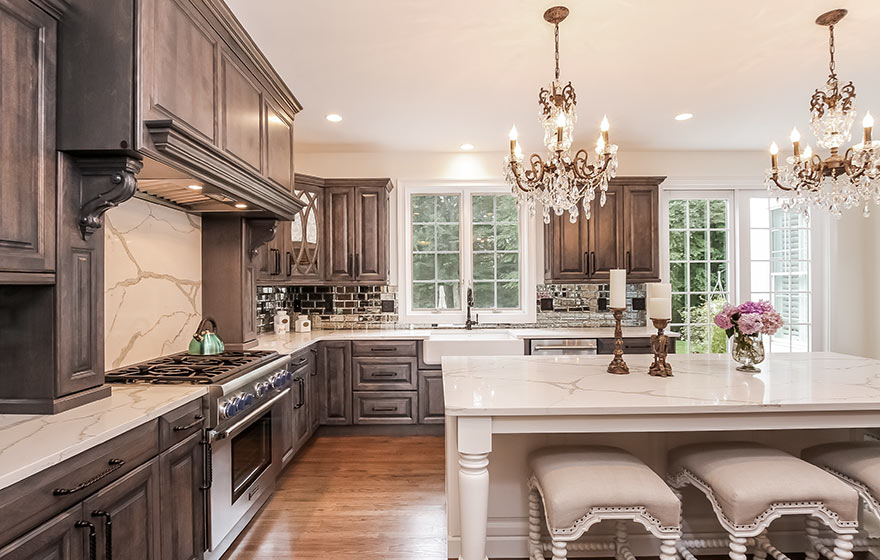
(563, 181)
(837, 182)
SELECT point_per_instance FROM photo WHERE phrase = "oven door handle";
(234, 430)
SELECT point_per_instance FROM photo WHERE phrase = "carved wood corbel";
(260, 232)
(106, 183)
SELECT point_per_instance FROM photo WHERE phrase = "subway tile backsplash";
(353, 307)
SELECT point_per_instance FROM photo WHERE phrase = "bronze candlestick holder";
(617, 365)
(660, 346)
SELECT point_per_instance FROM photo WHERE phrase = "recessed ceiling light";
(684, 116)
(195, 187)
(333, 117)
(467, 147)
(241, 205)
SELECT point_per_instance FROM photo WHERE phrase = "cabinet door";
(301, 425)
(130, 506)
(334, 360)
(339, 233)
(316, 387)
(27, 138)
(241, 122)
(569, 245)
(431, 407)
(282, 423)
(371, 234)
(306, 236)
(606, 228)
(269, 263)
(641, 232)
(56, 539)
(182, 501)
(279, 147)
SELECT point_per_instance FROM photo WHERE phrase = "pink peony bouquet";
(749, 318)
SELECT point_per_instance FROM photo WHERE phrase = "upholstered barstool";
(577, 487)
(749, 485)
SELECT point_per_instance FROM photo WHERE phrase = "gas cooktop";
(185, 368)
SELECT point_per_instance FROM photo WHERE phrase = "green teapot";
(206, 342)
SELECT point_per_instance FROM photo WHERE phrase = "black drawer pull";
(108, 533)
(383, 349)
(92, 538)
(384, 409)
(197, 419)
(383, 374)
(115, 464)
(301, 361)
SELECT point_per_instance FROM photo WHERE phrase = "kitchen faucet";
(470, 303)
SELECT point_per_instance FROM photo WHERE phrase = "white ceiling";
(429, 75)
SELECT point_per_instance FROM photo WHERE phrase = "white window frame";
(465, 189)
(740, 192)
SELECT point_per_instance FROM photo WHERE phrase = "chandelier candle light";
(837, 182)
(563, 181)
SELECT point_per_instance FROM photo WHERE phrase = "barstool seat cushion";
(574, 480)
(746, 479)
(857, 460)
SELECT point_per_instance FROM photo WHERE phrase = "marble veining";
(152, 281)
(32, 443)
(567, 385)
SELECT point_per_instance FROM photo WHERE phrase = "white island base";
(499, 409)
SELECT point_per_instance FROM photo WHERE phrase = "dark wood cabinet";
(182, 500)
(64, 537)
(356, 230)
(624, 233)
(334, 362)
(302, 427)
(431, 406)
(27, 138)
(316, 391)
(130, 507)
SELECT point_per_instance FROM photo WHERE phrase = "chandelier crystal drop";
(564, 182)
(837, 182)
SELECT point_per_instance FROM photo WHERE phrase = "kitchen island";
(499, 409)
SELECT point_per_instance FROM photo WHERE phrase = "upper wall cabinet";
(27, 138)
(189, 89)
(624, 233)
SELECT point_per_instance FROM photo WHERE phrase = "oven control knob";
(236, 404)
(247, 399)
(262, 388)
(228, 410)
(277, 380)
(288, 375)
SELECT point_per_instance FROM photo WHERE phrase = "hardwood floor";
(354, 497)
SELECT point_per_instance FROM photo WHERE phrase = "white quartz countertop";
(580, 385)
(293, 342)
(32, 443)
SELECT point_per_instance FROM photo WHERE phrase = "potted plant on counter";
(745, 323)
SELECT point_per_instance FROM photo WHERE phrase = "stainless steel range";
(249, 397)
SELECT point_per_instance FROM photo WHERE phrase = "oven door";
(244, 467)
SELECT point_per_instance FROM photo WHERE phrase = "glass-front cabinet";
(303, 257)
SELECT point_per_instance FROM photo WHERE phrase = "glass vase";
(747, 350)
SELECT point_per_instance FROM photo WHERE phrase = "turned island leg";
(474, 446)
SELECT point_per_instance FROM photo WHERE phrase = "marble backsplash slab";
(152, 281)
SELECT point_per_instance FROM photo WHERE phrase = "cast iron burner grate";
(185, 368)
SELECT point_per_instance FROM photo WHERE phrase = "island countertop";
(702, 383)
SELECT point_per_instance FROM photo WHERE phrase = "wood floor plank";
(354, 497)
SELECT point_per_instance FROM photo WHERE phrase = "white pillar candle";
(661, 308)
(618, 289)
(656, 290)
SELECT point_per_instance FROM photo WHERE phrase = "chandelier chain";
(831, 51)
(556, 41)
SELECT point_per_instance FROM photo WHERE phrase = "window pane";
(718, 214)
(718, 277)
(447, 295)
(484, 238)
(506, 210)
(423, 266)
(484, 210)
(676, 245)
(759, 212)
(508, 295)
(484, 266)
(677, 214)
(676, 277)
(698, 246)
(423, 296)
(679, 309)
(484, 295)
(448, 267)
(447, 208)
(760, 244)
(507, 237)
(760, 276)
(423, 238)
(718, 245)
(447, 237)
(697, 214)
(423, 208)
(698, 277)
(508, 266)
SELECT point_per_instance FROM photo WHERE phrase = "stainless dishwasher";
(562, 346)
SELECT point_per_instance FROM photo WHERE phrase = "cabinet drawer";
(28, 503)
(385, 407)
(384, 348)
(180, 423)
(303, 358)
(384, 374)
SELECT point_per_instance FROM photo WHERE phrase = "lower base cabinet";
(182, 477)
(57, 539)
(431, 407)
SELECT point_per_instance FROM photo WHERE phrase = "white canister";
(282, 322)
(303, 324)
